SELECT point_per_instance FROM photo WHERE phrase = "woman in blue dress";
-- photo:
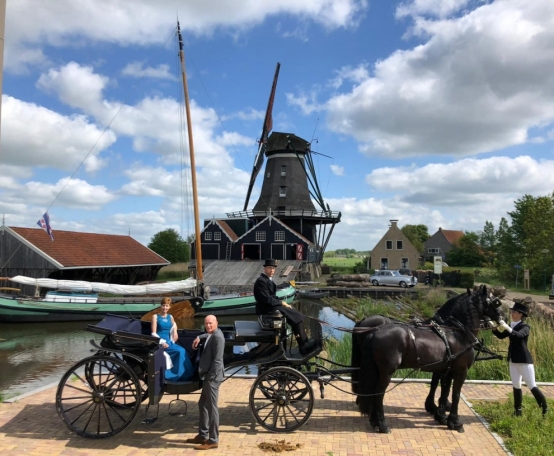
(164, 327)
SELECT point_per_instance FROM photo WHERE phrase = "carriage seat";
(252, 331)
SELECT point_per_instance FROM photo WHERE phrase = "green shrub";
(467, 279)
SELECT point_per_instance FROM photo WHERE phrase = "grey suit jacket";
(211, 361)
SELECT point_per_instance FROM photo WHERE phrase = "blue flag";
(44, 223)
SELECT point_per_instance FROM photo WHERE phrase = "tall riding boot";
(541, 400)
(306, 345)
(518, 399)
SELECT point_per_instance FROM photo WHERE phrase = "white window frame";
(260, 236)
(217, 236)
(282, 192)
(433, 250)
(208, 236)
(279, 236)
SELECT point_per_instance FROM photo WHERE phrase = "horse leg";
(430, 406)
(453, 421)
(382, 385)
(444, 405)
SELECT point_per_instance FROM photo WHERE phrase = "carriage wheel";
(138, 368)
(99, 396)
(281, 399)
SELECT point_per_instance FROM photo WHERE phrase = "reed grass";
(541, 342)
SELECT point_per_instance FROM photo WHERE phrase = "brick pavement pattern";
(31, 426)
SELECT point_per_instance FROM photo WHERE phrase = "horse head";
(488, 303)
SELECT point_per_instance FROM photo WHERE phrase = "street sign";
(437, 262)
(517, 266)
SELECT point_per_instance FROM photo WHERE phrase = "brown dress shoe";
(197, 440)
(206, 446)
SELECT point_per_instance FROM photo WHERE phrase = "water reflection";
(37, 354)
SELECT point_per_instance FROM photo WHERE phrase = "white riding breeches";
(519, 371)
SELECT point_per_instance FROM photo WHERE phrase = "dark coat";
(267, 302)
(211, 361)
(517, 350)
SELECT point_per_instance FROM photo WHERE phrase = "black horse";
(399, 345)
(440, 317)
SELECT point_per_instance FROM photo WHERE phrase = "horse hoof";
(384, 430)
(440, 420)
(457, 427)
(431, 409)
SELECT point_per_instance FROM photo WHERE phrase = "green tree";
(416, 234)
(488, 242)
(467, 252)
(170, 245)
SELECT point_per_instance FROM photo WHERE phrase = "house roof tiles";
(73, 249)
(452, 236)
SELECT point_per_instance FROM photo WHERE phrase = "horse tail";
(368, 375)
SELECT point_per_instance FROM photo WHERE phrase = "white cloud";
(337, 170)
(440, 8)
(478, 84)
(32, 24)
(136, 70)
(36, 136)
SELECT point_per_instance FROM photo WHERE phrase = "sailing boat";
(78, 300)
(230, 304)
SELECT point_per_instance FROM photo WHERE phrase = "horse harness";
(436, 324)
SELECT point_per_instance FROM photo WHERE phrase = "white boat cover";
(99, 287)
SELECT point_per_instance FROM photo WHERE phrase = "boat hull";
(18, 310)
(239, 305)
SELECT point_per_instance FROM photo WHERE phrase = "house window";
(268, 175)
(432, 250)
(398, 245)
(282, 191)
(217, 236)
(389, 245)
(283, 170)
(404, 262)
(207, 236)
(279, 236)
(260, 236)
(384, 263)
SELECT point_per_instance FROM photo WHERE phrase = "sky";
(435, 112)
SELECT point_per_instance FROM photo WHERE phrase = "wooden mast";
(199, 274)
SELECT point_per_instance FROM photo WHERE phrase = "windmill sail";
(267, 127)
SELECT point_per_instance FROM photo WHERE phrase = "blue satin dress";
(182, 369)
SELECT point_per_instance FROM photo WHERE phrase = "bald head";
(210, 323)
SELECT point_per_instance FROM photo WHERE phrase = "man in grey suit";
(210, 371)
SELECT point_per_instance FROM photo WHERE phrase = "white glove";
(505, 326)
(490, 324)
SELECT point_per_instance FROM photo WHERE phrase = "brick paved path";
(32, 427)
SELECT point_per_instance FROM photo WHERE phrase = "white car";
(385, 277)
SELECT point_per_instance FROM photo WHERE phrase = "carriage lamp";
(277, 320)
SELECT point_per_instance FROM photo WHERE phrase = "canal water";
(33, 355)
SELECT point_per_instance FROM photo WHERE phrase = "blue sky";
(434, 111)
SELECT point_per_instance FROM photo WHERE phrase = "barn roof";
(72, 249)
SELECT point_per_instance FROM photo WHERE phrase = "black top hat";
(270, 262)
(521, 308)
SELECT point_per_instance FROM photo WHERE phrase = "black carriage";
(101, 395)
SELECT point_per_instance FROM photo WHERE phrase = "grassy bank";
(528, 435)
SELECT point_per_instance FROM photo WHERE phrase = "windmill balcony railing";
(335, 215)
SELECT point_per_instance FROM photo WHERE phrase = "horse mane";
(468, 310)
(447, 308)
